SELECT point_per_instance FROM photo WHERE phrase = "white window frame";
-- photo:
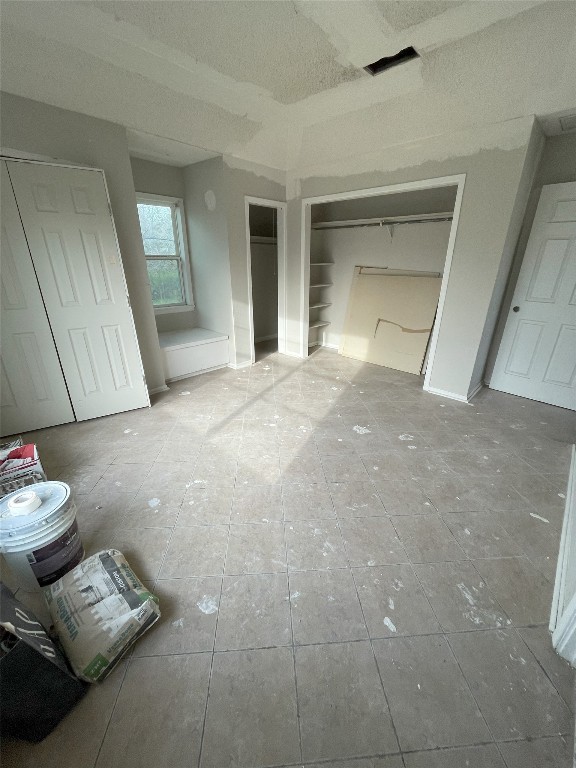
(179, 220)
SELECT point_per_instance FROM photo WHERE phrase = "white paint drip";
(153, 503)
(207, 604)
(467, 532)
(406, 437)
(390, 603)
(127, 431)
(538, 517)
(178, 623)
(388, 623)
(184, 393)
(397, 585)
(562, 495)
(362, 430)
(468, 596)
(294, 595)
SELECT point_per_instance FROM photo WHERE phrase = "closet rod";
(384, 221)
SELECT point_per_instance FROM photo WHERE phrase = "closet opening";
(376, 264)
(265, 247)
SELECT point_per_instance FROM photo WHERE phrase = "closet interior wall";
(264, 269)
(410, 247)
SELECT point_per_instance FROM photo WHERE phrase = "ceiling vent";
(406, 54)
(568, 123)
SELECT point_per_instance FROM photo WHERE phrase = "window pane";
(165, 281)
(157, 229)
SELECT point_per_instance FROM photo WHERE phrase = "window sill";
(170, 310)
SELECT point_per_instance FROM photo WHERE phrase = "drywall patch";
(261, 171)
(506, 136)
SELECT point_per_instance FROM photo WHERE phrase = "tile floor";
(352, 574)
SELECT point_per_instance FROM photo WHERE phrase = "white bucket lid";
(28, 509)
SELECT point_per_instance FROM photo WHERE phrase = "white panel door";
(537, 355)
(69, 227)
(32, 388)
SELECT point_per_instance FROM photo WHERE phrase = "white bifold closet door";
(32, 387)
(70, 232)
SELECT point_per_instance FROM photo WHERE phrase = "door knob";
(515, 309)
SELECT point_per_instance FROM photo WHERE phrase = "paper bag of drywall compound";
(99, 609)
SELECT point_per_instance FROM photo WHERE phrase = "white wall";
(64, 136)
(264, 257)
(208, 238)
(157, 178)
(493, 160)
(420, 247)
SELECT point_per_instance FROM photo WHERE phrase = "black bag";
(37, 689)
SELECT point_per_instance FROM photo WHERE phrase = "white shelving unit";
(318, 300)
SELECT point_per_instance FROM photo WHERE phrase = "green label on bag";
(96, 667)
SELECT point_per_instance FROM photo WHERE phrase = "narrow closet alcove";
(263, 223)
(386, 249)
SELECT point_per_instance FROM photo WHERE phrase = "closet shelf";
(384, 221)
(321, 285)
(321, 263)
(320, 304)
(319, 324)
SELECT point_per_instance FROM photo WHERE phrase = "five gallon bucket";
(39, 536)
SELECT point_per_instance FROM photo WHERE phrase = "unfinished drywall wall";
(493, 161)
(264, 260)
(420, 247)
(157, 178)
(556, 165)
(206, 202)
(30, 126)
(253, 181)
(167, 180)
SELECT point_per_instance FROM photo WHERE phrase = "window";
(163, 235)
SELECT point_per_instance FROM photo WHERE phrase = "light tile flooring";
(352, 574)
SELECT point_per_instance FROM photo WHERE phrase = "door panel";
(67, 221)
(537, 355)
(34, 393)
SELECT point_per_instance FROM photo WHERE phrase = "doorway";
(265, 220)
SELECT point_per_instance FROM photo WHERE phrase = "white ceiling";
(277, 82)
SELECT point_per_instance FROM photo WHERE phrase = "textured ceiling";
(282, 83)
(269, 44)
(402, 15)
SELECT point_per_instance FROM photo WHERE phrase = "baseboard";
(265, 338)
(293, 354)
(444, 393)
(474, 391)
(562, 616)
(238, 366)
(195, 373)
(157, 390)
(331, 346)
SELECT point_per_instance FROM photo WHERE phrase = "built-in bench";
(191, 351)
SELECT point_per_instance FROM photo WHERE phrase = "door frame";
(563, 613)
(458, 180)
(281, 208)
